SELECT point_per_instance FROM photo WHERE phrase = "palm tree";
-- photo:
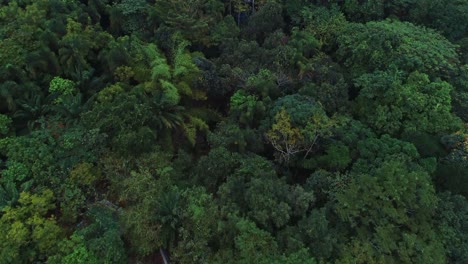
(41, 61)
(72, 62)
(169, 214)
(70, 108)
(32, 105)
(166, 117)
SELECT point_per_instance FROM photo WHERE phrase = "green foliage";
(198, 228)
(452, 169)
(391, 104)
(21, 28)
(170, 95)
(193, 18)
(266, 20)
(266, 131)
(61, 86)
(246, 107)
(392, 214)
(29, 232)
(72, 203)
(159, 67)
(364, 48)
(364, 10)
(225, 30)
(448, 17)
(255, 189)
(300, 108)
(15, 179)
(27, 150)
(324, 24)
(150, 214)
(452, 219)
(304, 43)
(5, 123)
(101, 236)
(434, 14)
(337, 157)
(121, 119)
(263, 83)
(76, 47)
(324, 81)
(298, 123)
(460, 93)
(375, 151)
(254, 245)
(132, 14)
(144, 230)
(77, 252)
(230, 136)
(285, 138)
(214, 168)
(109, 93)
(244, 56)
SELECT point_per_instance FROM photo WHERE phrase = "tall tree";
(364, 48)
(194, 18)
(392, 104)
(391, 221)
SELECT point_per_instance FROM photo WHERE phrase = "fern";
(184, 89)
(159, 67)
(190, 129)
(183, 64)
(170, 94)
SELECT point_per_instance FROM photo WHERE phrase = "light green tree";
(28, 231)
(392, 104)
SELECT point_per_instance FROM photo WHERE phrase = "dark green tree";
(392, 104)
(391, 221)
(364, 48)
(194, 18)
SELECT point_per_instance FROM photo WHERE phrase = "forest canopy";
(233, 131)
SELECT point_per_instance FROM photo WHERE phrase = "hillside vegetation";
(234, 131)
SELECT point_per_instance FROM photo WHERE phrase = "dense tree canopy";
(233, 131)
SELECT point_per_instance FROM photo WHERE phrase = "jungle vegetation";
(233, 131)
